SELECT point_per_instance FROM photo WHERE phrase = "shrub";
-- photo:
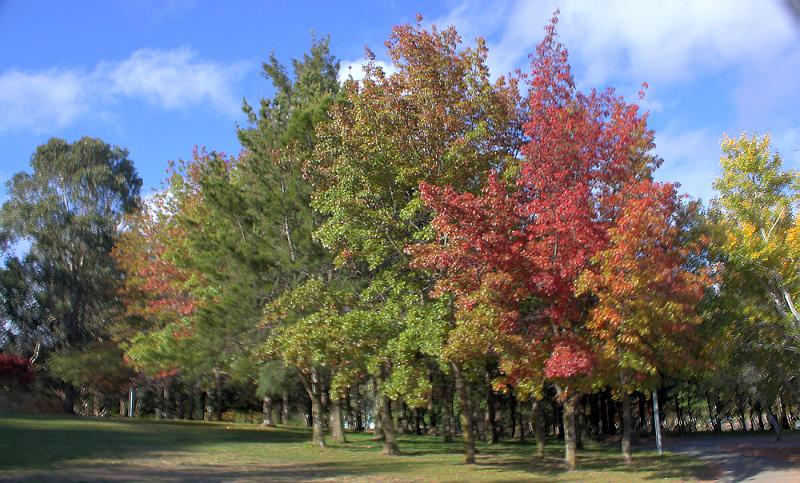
(15, 371)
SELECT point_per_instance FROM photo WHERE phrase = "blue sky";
(162, 77)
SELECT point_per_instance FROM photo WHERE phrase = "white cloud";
(169, 79)
(691, 158)
(355, 68)
(51, 98)
(747, 51)
(175, 78)
(651, 40)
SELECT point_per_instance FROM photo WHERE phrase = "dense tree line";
(427, 250)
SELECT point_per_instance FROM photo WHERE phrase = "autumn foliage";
(536, 227)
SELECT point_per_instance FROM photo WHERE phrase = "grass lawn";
(40, 448)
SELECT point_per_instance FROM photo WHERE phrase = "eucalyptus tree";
(70, 209)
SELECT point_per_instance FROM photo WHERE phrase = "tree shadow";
(35, 442)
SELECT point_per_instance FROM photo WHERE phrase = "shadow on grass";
(32, 447)
(36, 442)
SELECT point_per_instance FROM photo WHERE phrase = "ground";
(86, 449)
(745, 457)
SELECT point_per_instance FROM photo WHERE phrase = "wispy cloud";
(652, 40)
(167, 79)
(691, 158)
(749, 50)
(36, 100)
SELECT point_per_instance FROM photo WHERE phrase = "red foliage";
(569, 358)
(530, 238)
(15, 370)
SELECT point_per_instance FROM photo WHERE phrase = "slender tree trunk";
(643, 411)
(603, 416)
(347, 410)
(95, 404)
(626, 428)
(203, 404)
(519, 424)
(387, 423)
(168, 413)
(159, 409)
(579, 424)
(611, 408)
(678, 414)
(740, 410)
(430, 410)
(447, 413)
(784, 415)
(217, 407)
(490, 419)
(538, 426)
(337, 429)
(466, 415)
(190, 402)
(266, 408)
(397, 415)
(285, 408)
(570, 431)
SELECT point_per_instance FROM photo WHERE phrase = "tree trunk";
(159, 409)
(387, 423)
(447, 413)
(217, 407)
(570, 431)
(642, 419)
(611, 408)
(387, 426)
(580, 424)
(285, 408)
(430, 409)
(168, 413)
(337, 429)
(466, 415)
(519, 424)
(784, 414)
(95, 404)
(626, 427)
(266, 408)
(539, 426)
(203, 404)
(314, 393)
(490, 419)
(190, 402)
(603, 415)
(347, 410)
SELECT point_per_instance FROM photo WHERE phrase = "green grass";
(70, 448)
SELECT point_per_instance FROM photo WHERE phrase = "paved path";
(758, 458)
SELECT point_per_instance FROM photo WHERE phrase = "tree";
(754, 223)
(647, 293)
(70, 208)
(516, 250)
(437, 118)
(231, 234)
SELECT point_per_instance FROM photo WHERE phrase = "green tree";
(438, 118)
(70, 208)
